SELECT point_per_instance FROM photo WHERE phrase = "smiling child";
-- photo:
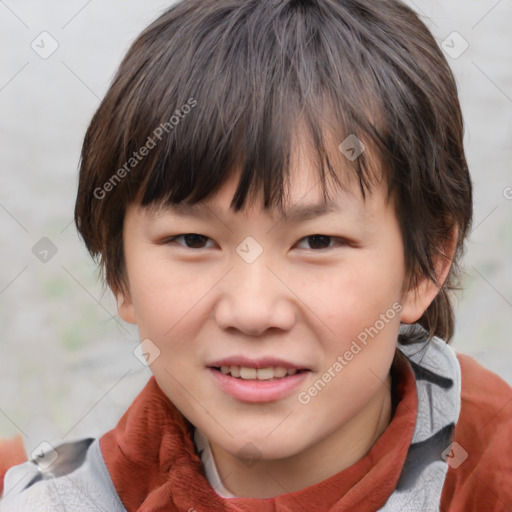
(278, 196)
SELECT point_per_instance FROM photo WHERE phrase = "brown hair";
(210, 86)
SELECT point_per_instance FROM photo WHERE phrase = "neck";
(338, 451)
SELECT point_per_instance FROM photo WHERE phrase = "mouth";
(265, 380)
(270, 373)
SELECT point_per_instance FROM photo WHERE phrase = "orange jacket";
(154, 466)
(12, 452)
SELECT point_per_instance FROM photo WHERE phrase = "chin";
(262, 448)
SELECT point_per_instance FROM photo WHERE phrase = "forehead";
(307, 196)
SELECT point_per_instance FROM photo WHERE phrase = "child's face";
(329, 306)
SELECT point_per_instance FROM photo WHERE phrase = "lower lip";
(255, 391)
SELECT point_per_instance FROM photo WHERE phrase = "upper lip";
(263, 362)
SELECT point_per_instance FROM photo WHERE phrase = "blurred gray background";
(67, 367)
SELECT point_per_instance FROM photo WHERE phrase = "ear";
(125, 306)
(418, 298)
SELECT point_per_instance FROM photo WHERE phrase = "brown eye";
(317, 241)
(191, 240)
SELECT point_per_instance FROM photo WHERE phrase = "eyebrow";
(309, 211)
(298, 213)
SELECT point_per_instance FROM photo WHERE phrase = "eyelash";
(339, 241)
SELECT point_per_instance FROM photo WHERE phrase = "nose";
(254, 299)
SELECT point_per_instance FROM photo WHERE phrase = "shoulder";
(12, 453)
(71, 477)
(486, 404)
(480, 473)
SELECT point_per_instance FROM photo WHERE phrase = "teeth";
(279, 372)
(265, 373)
(247, 373)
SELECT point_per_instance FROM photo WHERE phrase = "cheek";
(354, 295)
(359, 308)
(153, 296)
(161, 295)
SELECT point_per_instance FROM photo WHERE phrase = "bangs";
(239, 97)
